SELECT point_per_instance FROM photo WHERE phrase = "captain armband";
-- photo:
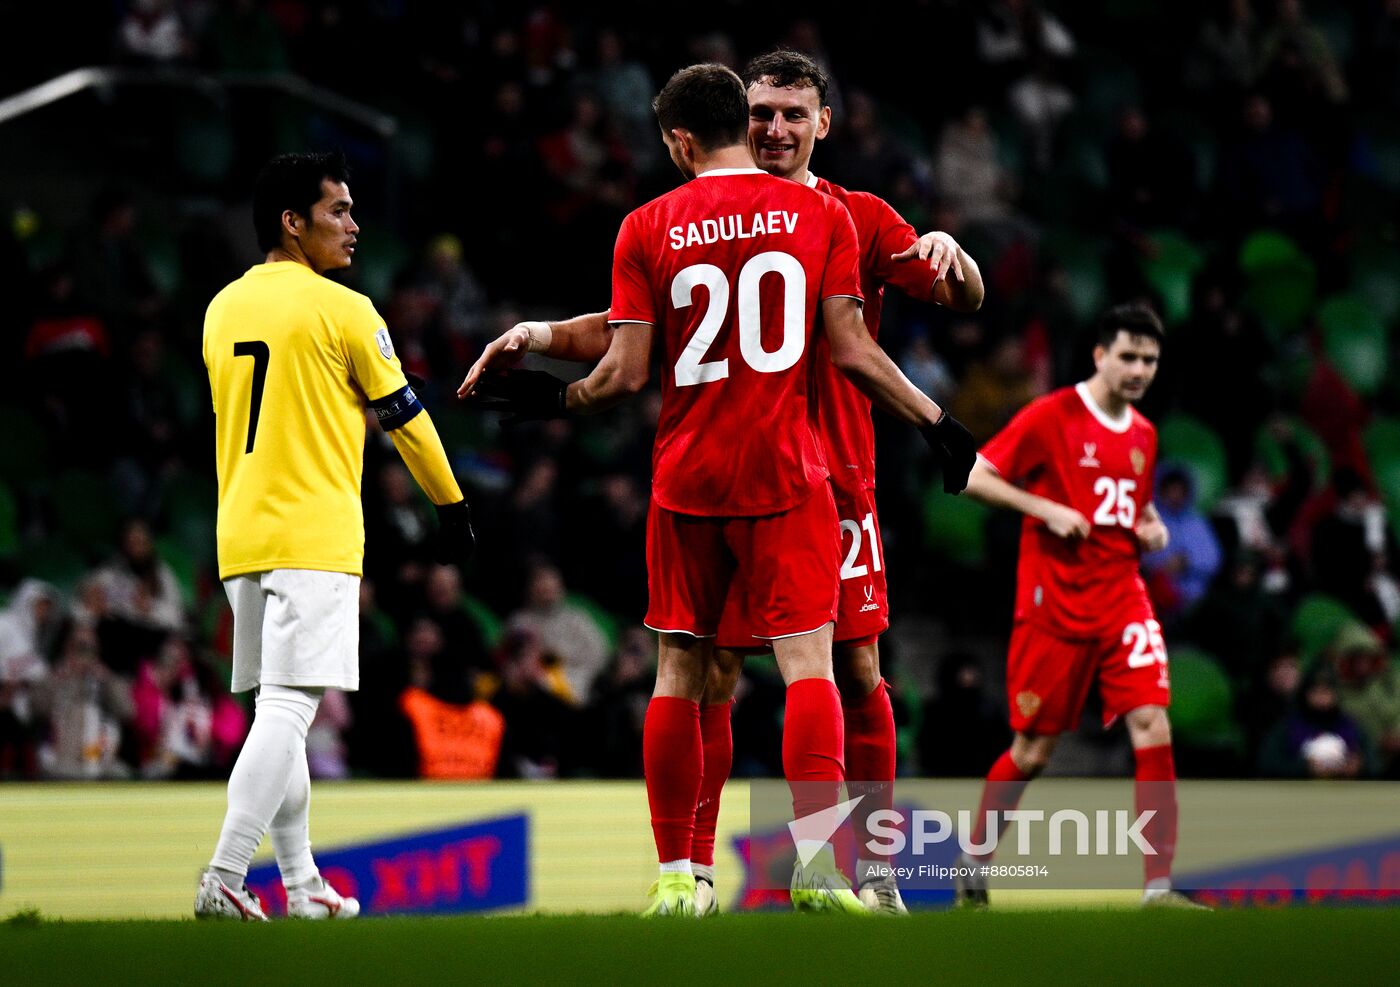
(398, 409)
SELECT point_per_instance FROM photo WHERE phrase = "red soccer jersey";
(1066, 449)
(731, 269)
(843, 411)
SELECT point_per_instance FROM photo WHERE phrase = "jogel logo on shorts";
(1027, 702)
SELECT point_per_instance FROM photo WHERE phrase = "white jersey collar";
(721, 172)
(811, 181)
(1120, 424)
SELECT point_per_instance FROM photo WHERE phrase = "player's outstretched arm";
(987, 485)
(533, 395)
(872, 371)
(957, 282)
(417, 440)
(583, 339)
(622, 372)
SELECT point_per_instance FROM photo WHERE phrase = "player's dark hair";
(1134, 318)
(784, 67)
(292, 181)
(708, 100)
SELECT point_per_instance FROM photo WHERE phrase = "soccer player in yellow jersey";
(293, 360)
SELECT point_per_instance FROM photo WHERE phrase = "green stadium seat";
(56, 562)
(205, 150)
(1315, 624)
(1354, 339)
(84, 512)
(1382, 442)
(1202, 710)
(486, 620)
(1012, 148)
(1189, 129)
(1081, 142)
(605, 619)
(413, 146)
(24, 455)
(9, 523)
(1280, 281)
(1082, 260)
(1267, 248)
(1108, 81)
(182, 562)
(1375, 279)
(1189, 441)
(189, 511)
(162, 255)
(955, 528)
(1382, 438)
(1268, 450)
(1171, 271)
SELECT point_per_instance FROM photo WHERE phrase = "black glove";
(521, 396)
(954, 449)
(456, 541)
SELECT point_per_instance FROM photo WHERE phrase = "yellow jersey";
(293, 359)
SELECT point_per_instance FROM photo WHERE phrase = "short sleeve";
(841, 275)
(633, 299)
(891, 234)
(1018, 450)
(373, 363)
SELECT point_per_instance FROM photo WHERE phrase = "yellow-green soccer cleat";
(819, 886)
(673, 894)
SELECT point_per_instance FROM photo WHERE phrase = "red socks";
(671, 758)
(1002, 792)
(718, 739)
(1155, 788)
(812, 742)
(870, 758)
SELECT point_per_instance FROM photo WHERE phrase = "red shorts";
(789, 560)
(862, 611)
(1048, 677)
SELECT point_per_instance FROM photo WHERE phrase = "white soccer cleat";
(706, 901)
(1166, 898)
(217, 900)
(320, 903)
(882, 897)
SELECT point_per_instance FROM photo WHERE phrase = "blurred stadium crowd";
(1236, 163)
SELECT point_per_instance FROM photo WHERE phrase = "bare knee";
(1031, 754)
(724, 677)
(1148, 726)
(682, 666)
(857, 671)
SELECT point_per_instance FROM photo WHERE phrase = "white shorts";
(295, 627)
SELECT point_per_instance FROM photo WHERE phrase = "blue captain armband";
(398, 409)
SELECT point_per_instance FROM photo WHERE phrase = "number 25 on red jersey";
(1118, 508)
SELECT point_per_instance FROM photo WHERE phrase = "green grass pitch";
(1300, 945)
